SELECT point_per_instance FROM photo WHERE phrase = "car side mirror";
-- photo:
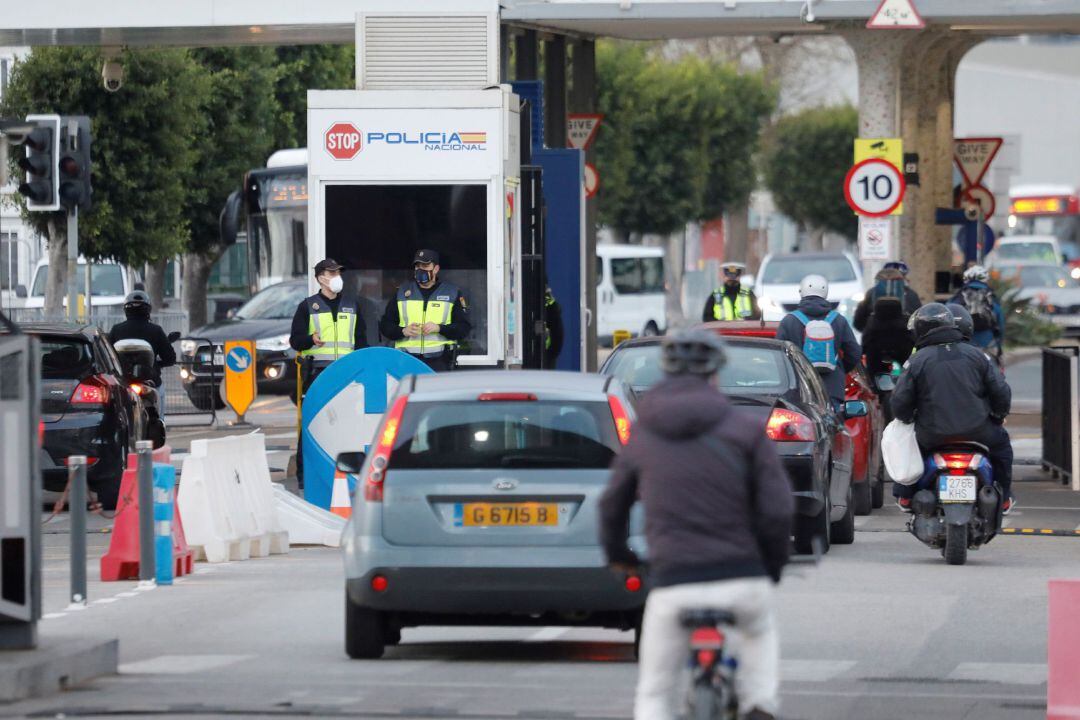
(855, 409)
(20, 291)
(173, 337)
(351, 462)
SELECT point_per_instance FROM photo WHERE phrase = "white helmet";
(976, 272)
(814, 286)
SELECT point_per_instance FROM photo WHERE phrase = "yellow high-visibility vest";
(438, 309)
(726, 308)
(338, 336)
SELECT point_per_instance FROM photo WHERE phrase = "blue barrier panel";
(342, 408)
(164, 485)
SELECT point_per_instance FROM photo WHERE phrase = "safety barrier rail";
(1061, 413)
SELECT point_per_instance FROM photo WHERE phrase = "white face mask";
(335, 284)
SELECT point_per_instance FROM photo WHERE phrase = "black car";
(266, 318)
(87, 407)
(773, 380)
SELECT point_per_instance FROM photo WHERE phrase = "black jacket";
(137, 328)
(865, 309)
(300, 333)
(950, 390)
(847, 347)
(458, 329)
(716, 498)
(886, 338)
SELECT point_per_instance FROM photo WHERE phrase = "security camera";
(808, 11)
(112, 75)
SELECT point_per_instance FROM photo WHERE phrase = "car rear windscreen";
(65, 358)
(750, 369)
(792, 269)
(549, 434)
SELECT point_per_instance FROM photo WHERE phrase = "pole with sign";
(240, 376)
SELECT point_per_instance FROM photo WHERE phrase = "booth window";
(374, 230)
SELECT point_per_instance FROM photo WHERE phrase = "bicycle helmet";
(964, 323)
(897, 265)
(976, 272)
(930, 317)
(692, 352)
(814, 286)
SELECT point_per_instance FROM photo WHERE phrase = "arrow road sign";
(874, 187)
(973, 156)
(896, 14)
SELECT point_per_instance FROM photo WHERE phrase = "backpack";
(819, 341)
(887, 290)
(980, 303)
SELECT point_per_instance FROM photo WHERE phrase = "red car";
(868, 471)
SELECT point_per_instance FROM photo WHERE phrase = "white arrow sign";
(896, 14)
(581, 129)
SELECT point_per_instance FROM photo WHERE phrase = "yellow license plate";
(509, 514)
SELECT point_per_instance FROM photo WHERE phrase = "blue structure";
(369, 367)
(164, 483)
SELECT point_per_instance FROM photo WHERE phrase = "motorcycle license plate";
(957, 488)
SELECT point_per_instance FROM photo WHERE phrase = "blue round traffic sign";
(238, 359)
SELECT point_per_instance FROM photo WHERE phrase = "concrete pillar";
(555, 91)
(878, 54)
(526, 65)
(583, 100)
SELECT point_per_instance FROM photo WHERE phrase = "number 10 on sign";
(874, 187)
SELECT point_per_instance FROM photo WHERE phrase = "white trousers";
(665, 645)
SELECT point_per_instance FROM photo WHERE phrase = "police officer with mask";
(326, 326)
(732, 301)
(429, 317)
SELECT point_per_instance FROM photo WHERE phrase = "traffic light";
(74, 164)
(42, 148)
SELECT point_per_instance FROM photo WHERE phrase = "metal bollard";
(144, 450)
(164, 482)
(77, 513)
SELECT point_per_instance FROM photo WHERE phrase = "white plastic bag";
(900, 450)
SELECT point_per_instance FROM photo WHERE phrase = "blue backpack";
(819, 341)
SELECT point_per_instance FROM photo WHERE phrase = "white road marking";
(813, 670)
(1010, 673)
(180, 664)
(103, 601)
(126, 594)
(548, 633)
(53, 616)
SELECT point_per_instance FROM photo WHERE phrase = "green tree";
(678, 139)
(806, 158)
(142, 150)
(238, 117)
(319, 67)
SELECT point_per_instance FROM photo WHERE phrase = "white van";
(110, 283)
(629, 290)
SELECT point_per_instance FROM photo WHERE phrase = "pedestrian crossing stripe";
(1041, 531)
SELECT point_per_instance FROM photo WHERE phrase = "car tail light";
(92, 391)
(956, 463)
(373, 486)
(633, 583)
(506, 397)
(789, 426)
(379, 583)
(622, 420)
(41, 433)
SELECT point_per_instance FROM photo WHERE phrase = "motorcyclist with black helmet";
(718, 511)
(138, 326)
(953, 394)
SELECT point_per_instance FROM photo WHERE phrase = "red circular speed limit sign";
(874, 187)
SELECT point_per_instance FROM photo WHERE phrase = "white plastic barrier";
(226, 500)
(307, 524)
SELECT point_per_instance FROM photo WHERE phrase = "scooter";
(137, 362)
(959, 507)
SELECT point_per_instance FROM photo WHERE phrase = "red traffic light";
(69, 166)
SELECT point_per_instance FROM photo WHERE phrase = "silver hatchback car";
(476, 504)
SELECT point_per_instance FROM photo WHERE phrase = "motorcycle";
(959, 507)
(137, 362)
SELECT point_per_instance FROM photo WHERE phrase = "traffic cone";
(339, 500)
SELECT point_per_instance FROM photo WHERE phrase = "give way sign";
(874, 187)
(343, 141)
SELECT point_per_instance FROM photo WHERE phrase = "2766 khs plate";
(957, 488)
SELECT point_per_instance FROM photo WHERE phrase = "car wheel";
(650, 329)
(863, 496)
(843, 530)
(205, 398)
(365, 632)
(877, 492)
(808, 528)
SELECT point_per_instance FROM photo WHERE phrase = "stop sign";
(343, 141)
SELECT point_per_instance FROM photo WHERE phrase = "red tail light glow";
(622, 420)
(633, 583)
(707, 638)
(507, 397)
(137, 388)
(379, 583)
(956, 462)
(789, 426)
(41, 433)
(373, 486)
(706, 658)
(92, 391)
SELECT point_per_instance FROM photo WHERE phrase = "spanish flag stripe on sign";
(473, 137)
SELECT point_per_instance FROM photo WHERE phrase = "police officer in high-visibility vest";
(732, 301)
(428, 318)
(325, 326)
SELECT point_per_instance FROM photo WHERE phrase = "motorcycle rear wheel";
(956, 544)
(706, 703)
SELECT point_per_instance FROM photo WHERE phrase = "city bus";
(1048, 210)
